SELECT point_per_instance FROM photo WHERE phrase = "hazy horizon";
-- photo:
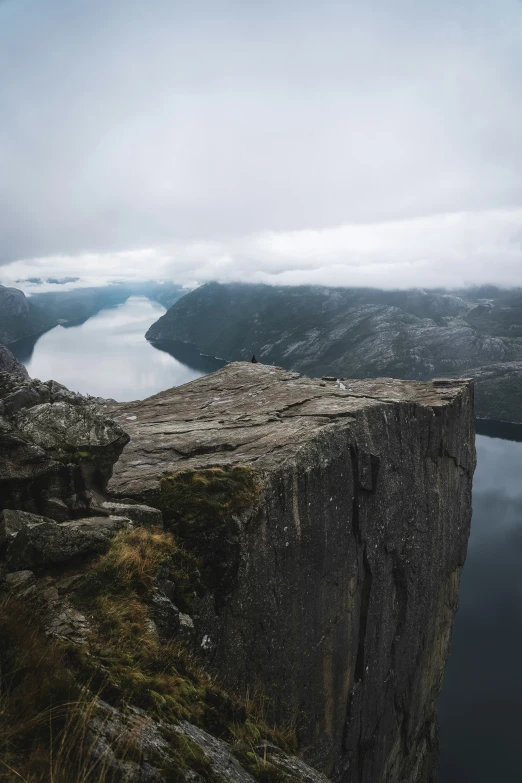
(286, 143)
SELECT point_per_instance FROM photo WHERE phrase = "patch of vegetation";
(132, 564)
(44, 712)
(129, 663)
(48, 688)
(201, 507)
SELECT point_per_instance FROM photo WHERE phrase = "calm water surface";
(108, 355)
(480, 708)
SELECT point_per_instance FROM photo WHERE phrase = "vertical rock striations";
(331, 522)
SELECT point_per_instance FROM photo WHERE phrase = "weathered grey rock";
(49, 542)
(52, 453)
(109, 728)
(107, 734)
(347, 566)
(19, 580)
(8, 363)
(11, 522)
(68, 584)
(166, 615)
(290, 766)
(217, 752)
(186, 625)
(70, 625)
(140, 515)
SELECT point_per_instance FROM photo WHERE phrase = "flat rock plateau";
(331, 582)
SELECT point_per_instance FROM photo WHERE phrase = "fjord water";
(481, 701)
(108, 356)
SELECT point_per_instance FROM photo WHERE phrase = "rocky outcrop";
(19, 317)
(8, 363)
(87, 613)
(356, 333)
(330, 521)
(46, 542)
(57, 449)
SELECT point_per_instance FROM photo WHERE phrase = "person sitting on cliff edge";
(254, 360)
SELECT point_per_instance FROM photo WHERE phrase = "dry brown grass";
(44, 713)
(133, 559)
(47, 687)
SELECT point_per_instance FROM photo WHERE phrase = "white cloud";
(449, 250)
(149, 125)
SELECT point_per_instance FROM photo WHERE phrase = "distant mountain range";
(356, 333)
(318, 331)
(23, 317)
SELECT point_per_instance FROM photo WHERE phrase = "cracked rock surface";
(343, 599)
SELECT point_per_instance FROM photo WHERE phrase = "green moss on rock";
(202, 508)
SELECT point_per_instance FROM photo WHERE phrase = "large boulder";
(144, 516)
(56, 448)
(12, 521)
(47, 542)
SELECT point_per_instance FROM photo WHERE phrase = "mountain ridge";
(351, 333)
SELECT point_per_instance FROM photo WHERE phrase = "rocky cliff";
(102, 679)
(355, 333)
(8, 363)
(19, 317)
(330, 522)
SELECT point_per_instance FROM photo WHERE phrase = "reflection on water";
(481, 701)
(108, 355)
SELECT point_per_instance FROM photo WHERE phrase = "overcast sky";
(282, 141)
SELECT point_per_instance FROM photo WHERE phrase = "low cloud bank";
(450, 250)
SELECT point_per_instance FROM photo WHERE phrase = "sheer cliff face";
(342, 574)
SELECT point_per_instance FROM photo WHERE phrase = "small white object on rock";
(186, 624)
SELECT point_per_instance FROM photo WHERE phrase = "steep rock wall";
(346, 565)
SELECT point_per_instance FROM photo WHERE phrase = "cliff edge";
(330, 523)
